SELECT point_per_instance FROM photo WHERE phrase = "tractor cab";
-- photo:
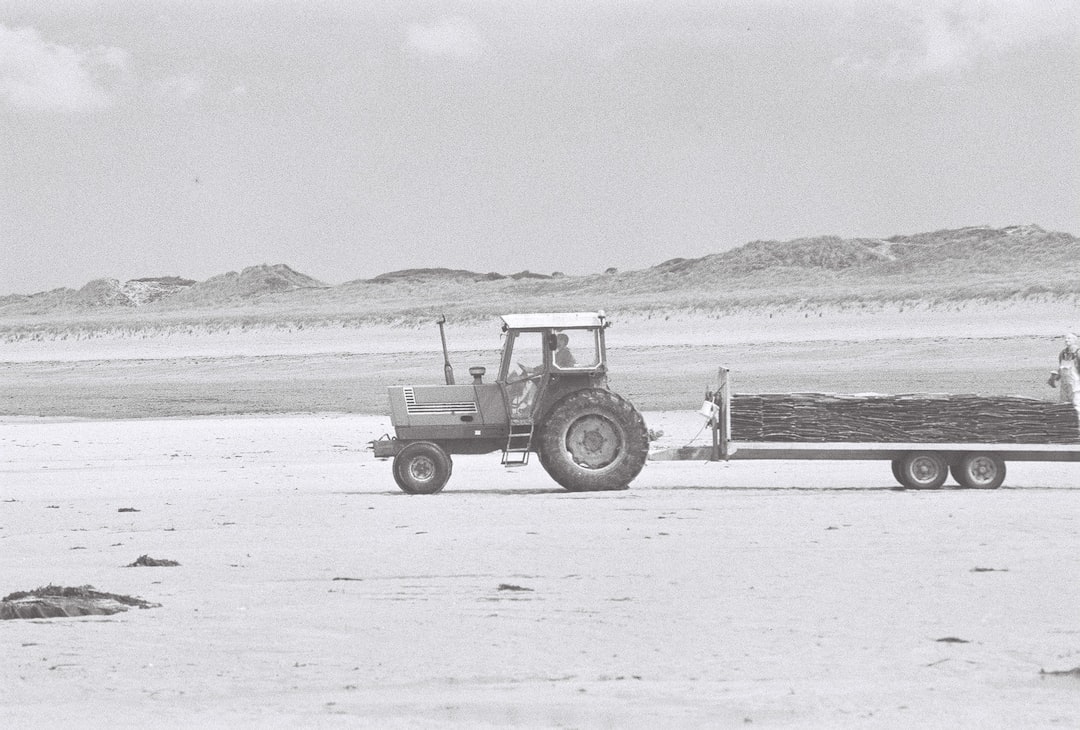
(545, 356)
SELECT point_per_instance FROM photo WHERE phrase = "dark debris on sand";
(145, 561)
(1074, 672)
(64, 601)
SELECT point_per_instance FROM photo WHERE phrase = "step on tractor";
(549, 398)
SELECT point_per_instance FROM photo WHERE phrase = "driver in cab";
(563, 357)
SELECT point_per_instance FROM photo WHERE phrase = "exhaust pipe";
(448, 369)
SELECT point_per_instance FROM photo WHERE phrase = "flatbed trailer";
(915, 464)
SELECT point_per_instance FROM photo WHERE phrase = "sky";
(348, 139)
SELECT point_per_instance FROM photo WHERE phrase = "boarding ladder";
(518, 443)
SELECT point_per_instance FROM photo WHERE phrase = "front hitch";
(386, 447)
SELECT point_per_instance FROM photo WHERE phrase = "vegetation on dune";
(949, 268)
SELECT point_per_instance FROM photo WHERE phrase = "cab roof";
(554, 320)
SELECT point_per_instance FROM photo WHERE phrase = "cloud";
(36, 74)
(931, 37)
(453, 37)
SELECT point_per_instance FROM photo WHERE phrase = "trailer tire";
(422, 468)
(923, 470)
(979, 471)
(593, 440)
(897, 474)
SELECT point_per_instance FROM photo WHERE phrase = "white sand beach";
(312, 592)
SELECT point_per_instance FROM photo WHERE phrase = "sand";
(312, 592)
(661, 364)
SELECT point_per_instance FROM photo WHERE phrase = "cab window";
(526, 355)
(575, 349)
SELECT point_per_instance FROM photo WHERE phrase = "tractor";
(550, 398)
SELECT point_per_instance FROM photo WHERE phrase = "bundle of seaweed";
(914, 418)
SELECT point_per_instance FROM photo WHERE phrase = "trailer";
(916, 463)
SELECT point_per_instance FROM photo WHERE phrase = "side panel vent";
(433, 409)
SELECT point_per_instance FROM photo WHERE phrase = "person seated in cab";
(563, 357)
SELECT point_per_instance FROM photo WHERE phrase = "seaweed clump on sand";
(64, 601)
(145, 561)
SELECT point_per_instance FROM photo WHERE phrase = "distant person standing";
(1067, 376)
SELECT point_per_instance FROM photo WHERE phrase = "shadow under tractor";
(550, 398)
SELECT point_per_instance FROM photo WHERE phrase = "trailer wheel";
(979, 471)
(897, 474)
(923, 470)
(593, 440)
(422, 468)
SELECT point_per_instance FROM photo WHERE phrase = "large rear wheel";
(422, 468)
(979, 471)
(593, 440)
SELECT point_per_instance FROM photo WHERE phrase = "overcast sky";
(349, 139)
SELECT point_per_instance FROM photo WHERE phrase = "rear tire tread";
(617, 413)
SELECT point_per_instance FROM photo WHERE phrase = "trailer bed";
(844, 451)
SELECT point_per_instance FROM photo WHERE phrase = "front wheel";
(979, 471)
(422, 468)
(593, 440)
(923, 470)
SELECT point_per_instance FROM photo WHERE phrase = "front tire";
(593, 440)
(422, 468)
(979, 471)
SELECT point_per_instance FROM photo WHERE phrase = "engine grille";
(450, 407)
